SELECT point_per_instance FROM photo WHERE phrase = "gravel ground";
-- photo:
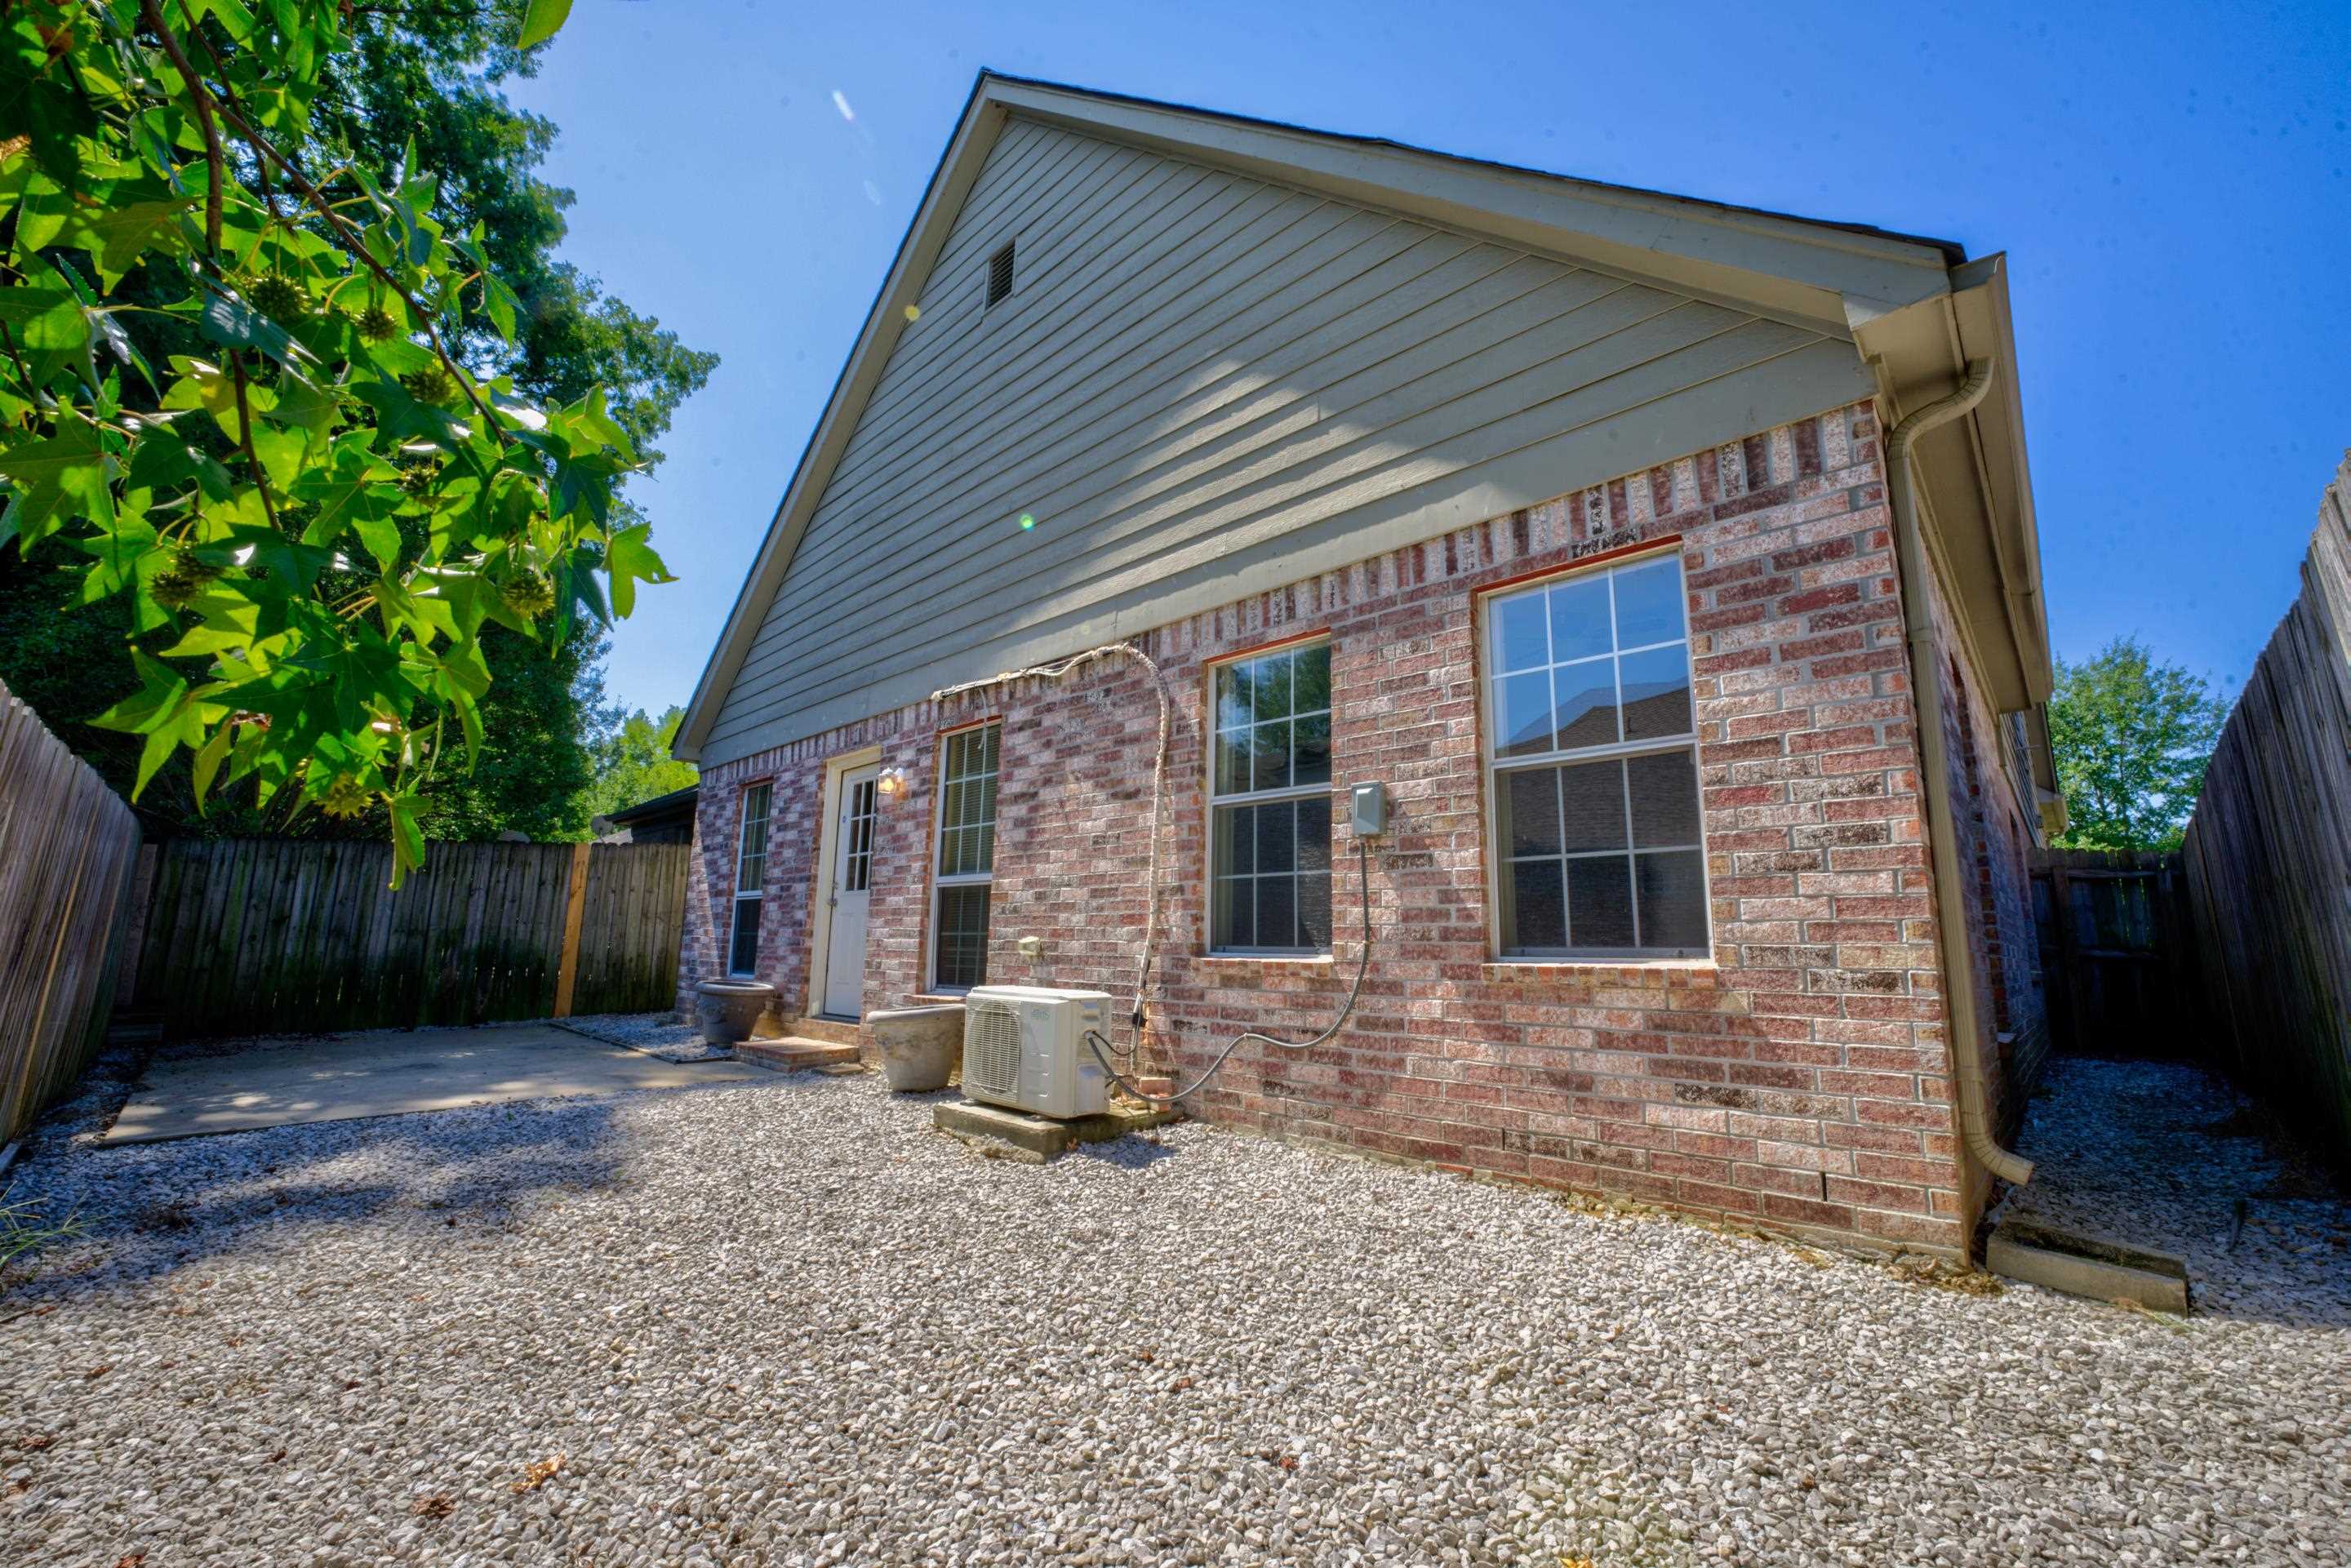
(655, 1034)
(2165, 1155)
(786, 1322)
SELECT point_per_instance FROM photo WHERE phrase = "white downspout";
(1927, 690)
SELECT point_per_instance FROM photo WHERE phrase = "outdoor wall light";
(892, 783)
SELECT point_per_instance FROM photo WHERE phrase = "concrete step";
(796, 1053)
(831, 1031)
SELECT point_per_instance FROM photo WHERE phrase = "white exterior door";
(848, 895)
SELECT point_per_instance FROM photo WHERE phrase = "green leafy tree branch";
(321, 509)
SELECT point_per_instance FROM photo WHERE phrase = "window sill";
(1274, 963)
(1639, 974)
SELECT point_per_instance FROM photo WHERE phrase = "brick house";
(1615, 534)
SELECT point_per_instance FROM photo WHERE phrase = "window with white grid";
(966, 858)
(1269, 804)
(1591, 743)
(750, 880)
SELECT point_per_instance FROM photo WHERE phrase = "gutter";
(1927, 690)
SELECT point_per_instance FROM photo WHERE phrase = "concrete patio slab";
(383, 1073)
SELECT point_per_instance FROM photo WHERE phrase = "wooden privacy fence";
(2116, 953)
(2269, 852)
(275, 936)
(67, 848)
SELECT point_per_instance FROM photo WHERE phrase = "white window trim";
(1256, 798)
(941, 881)
(758, 893)
(1493, 766)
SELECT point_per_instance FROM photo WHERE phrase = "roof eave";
(1803, 271)
(1973, 474)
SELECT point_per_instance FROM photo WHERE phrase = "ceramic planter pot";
(918, 1046)
(729, 1008)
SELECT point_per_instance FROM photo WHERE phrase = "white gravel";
(786, 1322)
(2164, 1154)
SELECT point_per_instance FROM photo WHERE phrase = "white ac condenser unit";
(1025, 1046)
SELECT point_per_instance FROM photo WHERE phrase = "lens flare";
(913, 313)
(1027, 522)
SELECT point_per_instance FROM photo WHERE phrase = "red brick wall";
(1994, 844)
(1799, 1080)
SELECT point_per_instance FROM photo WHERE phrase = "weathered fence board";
(2117, 945)
(630, 928)
(2269, 852)
(68, 847)
(280, 936)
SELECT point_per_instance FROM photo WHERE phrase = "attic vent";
(999, 273)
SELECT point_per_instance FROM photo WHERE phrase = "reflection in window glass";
(966, 857)
(1591, 740)
(750, 881)
(1269, 815)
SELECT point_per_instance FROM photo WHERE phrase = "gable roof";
(1834, 278)
(675, 803)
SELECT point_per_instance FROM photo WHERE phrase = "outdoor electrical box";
(1369, 817)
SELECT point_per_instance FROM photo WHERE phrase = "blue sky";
(2172, 185)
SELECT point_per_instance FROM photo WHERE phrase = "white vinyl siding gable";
(1198, 375)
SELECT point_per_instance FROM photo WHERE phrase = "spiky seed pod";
(530, 595)
(345, 797)
(279, 297)
(178, 584)
(175, 586)
(416, 477)
(376, 325)
(430, 384)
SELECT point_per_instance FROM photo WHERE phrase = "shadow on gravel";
(1131, 1153)
(147, 1211)
(2168, 1155)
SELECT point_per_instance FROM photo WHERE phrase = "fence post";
(2060, 903)
(567, 971)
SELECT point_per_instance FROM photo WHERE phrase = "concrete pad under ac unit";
(1041, 1136)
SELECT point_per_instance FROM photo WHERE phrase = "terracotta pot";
(918, 1046)
(729, 1009)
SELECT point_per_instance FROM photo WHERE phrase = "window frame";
(1327, 790)
(757, 893)
(941, 880)
(1494, 767)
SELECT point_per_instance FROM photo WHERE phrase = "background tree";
(333, 486)
(633, 764)
(2132, 739)
(407, 86)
